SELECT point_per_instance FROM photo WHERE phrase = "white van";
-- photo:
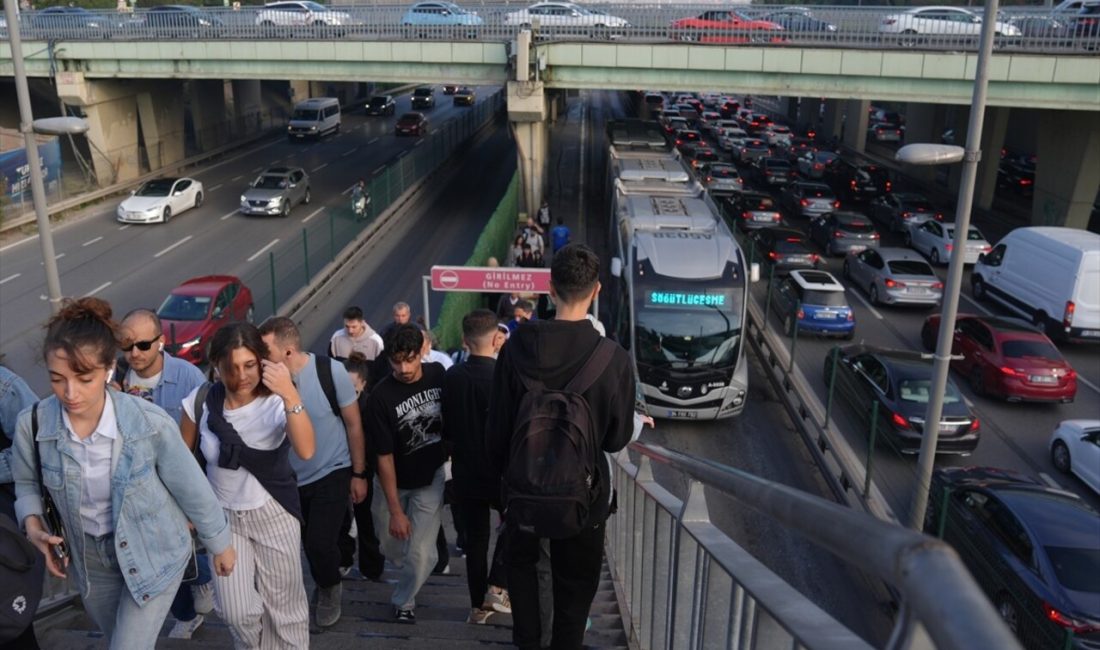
(1049, 275)
(313, 118)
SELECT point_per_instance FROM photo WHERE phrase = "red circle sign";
(448, 279)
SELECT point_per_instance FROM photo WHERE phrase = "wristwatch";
(296, 409)
(363, 475)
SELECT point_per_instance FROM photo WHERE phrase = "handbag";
(50, 516)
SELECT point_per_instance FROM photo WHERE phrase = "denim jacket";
(177, 380)
(15, 396)
(156, 488)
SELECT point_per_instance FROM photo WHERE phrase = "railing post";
(941, 524)
(305, 252)
(768, 299)
(331, 236)
(871, 448)
(794, 336)
(274, 300)
(835, 354)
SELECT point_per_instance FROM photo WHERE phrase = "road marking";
(263, 250)
(124, 227)
(98, 289)
(91, 241)
(236, 178)
(319, 167)
(10, 278)
(182, 241)
(56, 257)
(418, 142)
(377, 169)
(215, 187)
(1088, 383)
(372, 141)
(1050, 481)
(349, 189)
(313, 214)
(258, 169)
(859, 296)
(349, 152)
(229, 215)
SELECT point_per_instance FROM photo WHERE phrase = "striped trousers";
(264, 600)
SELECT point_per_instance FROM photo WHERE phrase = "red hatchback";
(1006, 358)
(196, 309)
(725, 26)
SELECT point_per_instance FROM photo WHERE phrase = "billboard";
(15, 173)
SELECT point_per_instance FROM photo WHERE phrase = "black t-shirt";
(406, 420)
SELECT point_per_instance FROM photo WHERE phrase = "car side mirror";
(616, 267)
(218, 312)
(177, 192)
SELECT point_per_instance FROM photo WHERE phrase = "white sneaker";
(498, 602)
(203, 595)
(184, 629)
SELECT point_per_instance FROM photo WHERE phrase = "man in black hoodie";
(553, 352)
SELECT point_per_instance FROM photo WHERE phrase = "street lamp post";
(932, 155)
(27, 124)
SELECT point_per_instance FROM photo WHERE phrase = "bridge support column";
(809, 112)
(1068, 172)
(832, 121)
(161, 114)
(923, 123)
(110, 108)
(855, 124)
(993, 139)
(208, 114)
(527, 112)
(792, 109)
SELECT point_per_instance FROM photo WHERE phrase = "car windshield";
(161, 187)
(917, 390)
(1031, 348)
(271, 183)
(304, 114)
(1076, 568)
(910, 267)
(817, 191)
(423, 92)
(759, 203)
(181, 307)
(378, 101)
(313, 6)
(824, 298)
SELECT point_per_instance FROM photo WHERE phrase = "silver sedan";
(936, 240)
(894, 276)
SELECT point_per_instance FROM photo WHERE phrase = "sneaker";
(498, 602)
(328, 605)
(344, 571)
(446, 570)
(588, 624)
(184, 629)
(407, 616)
(203, 595)
(479, 616)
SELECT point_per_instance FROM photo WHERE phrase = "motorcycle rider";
(360, 199)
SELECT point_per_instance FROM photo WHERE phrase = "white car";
(731, 138)
(940, 20)
(1075, 447)
(158, 200)
(561, 14)
(777, 134)
(936, 240)
(300, 13)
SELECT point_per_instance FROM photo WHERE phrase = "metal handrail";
(935, 587)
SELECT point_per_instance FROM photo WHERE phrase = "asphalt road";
(137, 265)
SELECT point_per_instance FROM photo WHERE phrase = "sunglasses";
(141, 345)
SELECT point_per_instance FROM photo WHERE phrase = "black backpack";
(21, 568)
(553, 472)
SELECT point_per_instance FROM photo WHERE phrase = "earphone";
(161, 346)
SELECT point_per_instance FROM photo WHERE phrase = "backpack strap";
(593, 368)
(328, 384)
(200, 404)
(34, 442)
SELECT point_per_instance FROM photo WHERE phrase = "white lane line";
(56, 257)
(263, 250)
(378, 169)
(349, 189)
(1088, 383)
(372, 141)
(349, 152)
(182, 241)
(982, 308)
(124, 227)
(10, 278)
(92, 241)
(215, 187)
(319, 167)
(228, 215)
(1050, 481)
(859, 296)
(258, 169)
(313, 214)
(98, 289)
(418, 142)
(236, 178)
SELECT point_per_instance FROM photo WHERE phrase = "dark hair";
(147, 313)
(285, 331)
(404, 340)
(478, 323)
(353, 313)
(83, 323)
(574, 272)
(561, 222)
(525, 305)
(358, 364)
(238, 335)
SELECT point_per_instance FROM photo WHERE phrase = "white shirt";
(142, 387)
(262, 425)
(94, 455)
(442, 358)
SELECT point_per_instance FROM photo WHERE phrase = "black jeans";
(476, 520)
(324, 504)
(575, 570)
(371, 562)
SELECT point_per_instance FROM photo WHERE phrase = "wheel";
(908, 38)
(1007, 610)
(1059, 455)
(789, 325)
(977, 381)
(286, 209)
(250, 315)
(872, 291)
(307, 198)
(927, 340)
(977, 287)
(167, 215)
(198, 199)
(935, 256)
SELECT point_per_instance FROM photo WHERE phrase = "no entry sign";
(487, 279)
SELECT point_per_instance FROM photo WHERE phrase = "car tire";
(977, 288)
(872, 293)
(166, 215)
(977, 381)
(198, 199)
(935, 256)
(307, 198)
(250, 315)
(1007, 610)
(286, 210)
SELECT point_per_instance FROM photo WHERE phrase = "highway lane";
(136, 265)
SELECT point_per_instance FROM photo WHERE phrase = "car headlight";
(313, 128)
(244, 199)
(277, 200)
(289, 128)
(190, 343)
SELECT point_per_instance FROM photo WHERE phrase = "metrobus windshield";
(687, 328)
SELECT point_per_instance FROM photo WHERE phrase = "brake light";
(938, 285)
(1011, 372)
(710, 178)
(1067, 317)
(1070, 374)
(875, 235)
(746, 215)
(975, 425)
(888, 186)
(1025, 181)
(837, 234)
(819, 166)
(986, 248)
(773, 255)
(899, 421)
(852, 183)
(801, 314)
(836, 204)
(679, 142)
(814, 258)
(905, 215)
(794, 239)
(805, 202)
(893, 284)
(949, 247)
(851, 315)
(1068, 622)
(939, 216)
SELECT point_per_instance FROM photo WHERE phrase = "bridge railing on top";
(895, 28)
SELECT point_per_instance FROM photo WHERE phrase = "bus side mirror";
(616, 267)
(754, 272)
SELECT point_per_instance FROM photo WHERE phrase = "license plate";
(691, 415)
(1043, 379)
(918, 291)
(948, 428)
(857, 248)
(1091, 333)
(762, 217)
(826, 315)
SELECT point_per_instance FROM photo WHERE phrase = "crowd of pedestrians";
(162, 489)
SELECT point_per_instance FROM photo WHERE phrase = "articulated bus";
(679, 299)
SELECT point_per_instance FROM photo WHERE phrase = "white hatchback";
(1075, 448)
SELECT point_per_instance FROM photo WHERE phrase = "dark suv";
(381, 105)
(423, 97)
(857, 180)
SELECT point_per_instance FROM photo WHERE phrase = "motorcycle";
(359, 205)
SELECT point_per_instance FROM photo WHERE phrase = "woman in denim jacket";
(124, 483)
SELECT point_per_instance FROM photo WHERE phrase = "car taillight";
(1011, 372)
(814, 257)
(851, 315)
(679, 142)
(975, 425)
(801, 314)
(746, 215)
(875, 235)
(888, 186)
(1070, 374)
(819, 166)
(836, 204)
(1067, 317)
(852, 183)
(986, 248)
(773, 255)
(939, 216)
(937, 285)
(805, 202)
(893, 284)
(1025, 181)
(837, 234)
(710, 178)
(949, 247)
(1076, 625)
(905, 215)
(899, 420)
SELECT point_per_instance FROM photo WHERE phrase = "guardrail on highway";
(1019, 28)
(685, 584)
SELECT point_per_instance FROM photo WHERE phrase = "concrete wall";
(1068, 174)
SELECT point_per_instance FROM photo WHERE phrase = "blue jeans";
(183, 607)
(112, 607)
(418, 554)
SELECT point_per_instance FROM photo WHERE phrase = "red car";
(1006, 358)
(725, 26)
(196, 309)
(412, 123)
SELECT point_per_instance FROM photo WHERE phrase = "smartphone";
(60, 552)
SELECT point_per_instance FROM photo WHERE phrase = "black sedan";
(785, 249)
(1033, 549)
(411, 123)
(464, 96)
(900, 382)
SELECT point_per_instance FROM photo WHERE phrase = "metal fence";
(292, 264)
(686, 585)
(1022, 29)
